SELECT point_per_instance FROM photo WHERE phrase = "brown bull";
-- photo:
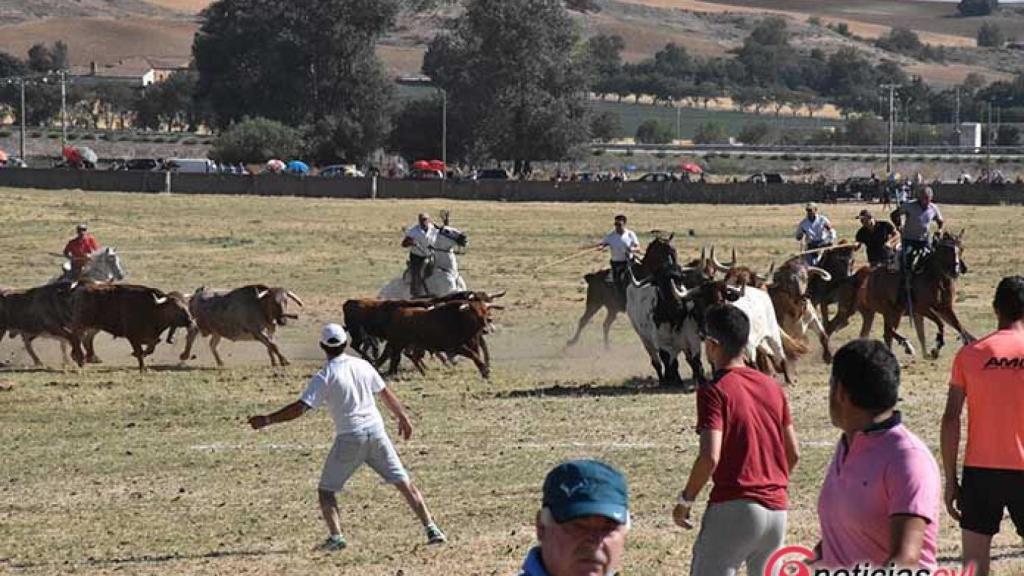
(42, 311)
(248, 313)
(933, 292)
(137, 313)
(454, 328)
(794, 309)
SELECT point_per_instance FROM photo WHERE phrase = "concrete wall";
(510, 191)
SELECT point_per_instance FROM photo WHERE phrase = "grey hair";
(548, 519)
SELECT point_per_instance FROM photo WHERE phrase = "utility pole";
(956, 117)
(444, 129)
(21, 142)
(63, 111)
(892, 113)
(988, 140)
(678, 126)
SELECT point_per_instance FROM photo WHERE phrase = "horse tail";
(792, 347)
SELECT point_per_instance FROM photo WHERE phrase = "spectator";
(880, 500)
(748, 447)
(582, 523)
(987, 377)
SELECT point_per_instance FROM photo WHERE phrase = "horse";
(933, 293)
(104, 265)
(443, 276)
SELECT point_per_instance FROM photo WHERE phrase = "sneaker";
(333, 544)
(435, 536)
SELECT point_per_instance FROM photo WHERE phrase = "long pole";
(678, 125)
(444, 128)
(956, 117)
(21, 143)
(892, 112)
(63, 111)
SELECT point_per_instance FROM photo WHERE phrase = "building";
(138, 71)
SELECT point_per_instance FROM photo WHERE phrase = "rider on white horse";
(79, 248)
(420, 240)
(442, 277)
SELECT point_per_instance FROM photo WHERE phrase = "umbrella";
(72, 156)
(3, 156)
(692, 168)
(421, 165)
(88, 155)
(297, 167)
(275, 165)
(437, 165)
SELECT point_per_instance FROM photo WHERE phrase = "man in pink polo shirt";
(880, 501)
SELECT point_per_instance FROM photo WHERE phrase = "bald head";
(424, 219)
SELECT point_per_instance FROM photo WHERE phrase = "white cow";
(766, 335)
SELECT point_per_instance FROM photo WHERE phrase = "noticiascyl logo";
(795, 561)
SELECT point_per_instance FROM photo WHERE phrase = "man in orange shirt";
(79, 248)
(988, 376)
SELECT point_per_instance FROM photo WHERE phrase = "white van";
(190, 165)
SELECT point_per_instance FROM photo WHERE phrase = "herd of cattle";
(666, 303)
(74, 312)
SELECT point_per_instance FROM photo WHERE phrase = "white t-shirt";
(422, 240)
(816, 231)
(347, 385)
(621, 245)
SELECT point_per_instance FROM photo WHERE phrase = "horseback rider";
(79, 248)
(913, 219)
(816, 231)
(419, 239)
(623, 245)
(879, 240)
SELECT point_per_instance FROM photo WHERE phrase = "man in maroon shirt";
(748, 446)
(79, 248)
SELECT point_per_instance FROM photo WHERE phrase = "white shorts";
(350, 451)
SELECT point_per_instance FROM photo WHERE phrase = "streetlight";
(892, 94)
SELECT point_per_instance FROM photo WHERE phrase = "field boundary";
(506, 191)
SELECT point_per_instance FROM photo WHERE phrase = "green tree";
(711, 133)
(515, 80)
(977, 7)
(901, 40)
(605, 125)
(759, 133)
(43, 58)
(416, 130)
(304, 63)
(256, 140)
(864, 130)
(653, 132)
(169, 105)
(990, 35)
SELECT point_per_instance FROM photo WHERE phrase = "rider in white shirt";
(623, 245)
(816, 231)
(419, 239)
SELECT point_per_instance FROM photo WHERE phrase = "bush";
(759, 133)
(977, 7)
(711, 133)
(605, 126)
(990, 35)
(256, 140)
(653, 132)
(4, 134)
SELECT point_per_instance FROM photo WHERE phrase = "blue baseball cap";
(579, 488)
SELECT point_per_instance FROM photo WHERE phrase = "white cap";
(333, 335)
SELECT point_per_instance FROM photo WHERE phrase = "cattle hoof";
(93, 360)
(934, 354)
(826, 358)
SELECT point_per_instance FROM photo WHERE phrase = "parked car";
(140, 164)
(425, 175)
(341, 171)
(190, 165)
(767, 178)
(658, 177)
(493, 174)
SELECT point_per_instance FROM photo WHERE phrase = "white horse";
(104, 265)
(444, 275)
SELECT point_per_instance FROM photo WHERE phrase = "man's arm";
(391, 401)
(407, 242)
(792, 446)
(950, 443)
(289, 412)
(703, 467)
(906, 539)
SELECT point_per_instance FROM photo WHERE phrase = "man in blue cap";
(583, 521)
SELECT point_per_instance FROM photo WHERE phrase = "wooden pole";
(569, 257)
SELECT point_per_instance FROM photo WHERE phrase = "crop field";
(109, 471)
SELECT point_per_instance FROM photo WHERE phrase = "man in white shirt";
(623, 245)
(816, 231)
(419, 239)
(347, 386)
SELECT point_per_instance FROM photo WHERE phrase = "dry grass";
(107, 471)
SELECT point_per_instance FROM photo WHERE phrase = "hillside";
(110, 30)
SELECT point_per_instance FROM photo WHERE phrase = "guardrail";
(507, 191)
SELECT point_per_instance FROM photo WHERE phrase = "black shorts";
(985, 493)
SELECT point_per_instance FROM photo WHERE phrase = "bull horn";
(718, 265)
(260, 294)
(632, 277)
(294, 297)
(497, 295)
(463, 307)
(703, 258)
(733, 262)
(670, 237)
(960, 236)
(679, 291)
(495, 307)
(820, 272)
(159, 300)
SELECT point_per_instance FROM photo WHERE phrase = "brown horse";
(933, 292)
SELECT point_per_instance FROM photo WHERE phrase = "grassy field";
(106, 471)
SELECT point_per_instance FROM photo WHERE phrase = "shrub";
(990, 35)
(977, 7)
(4, 134)
(711, 133)
(653, 132)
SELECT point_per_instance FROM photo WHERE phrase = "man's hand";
(258, 422)
(952, 497)
(681, 516)
(404, 427)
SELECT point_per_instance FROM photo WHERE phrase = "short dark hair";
(729, 326)
(334, 351)
(870, 374)
(620, 217)
(1009, 300)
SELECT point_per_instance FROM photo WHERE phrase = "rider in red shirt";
(79, 248)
